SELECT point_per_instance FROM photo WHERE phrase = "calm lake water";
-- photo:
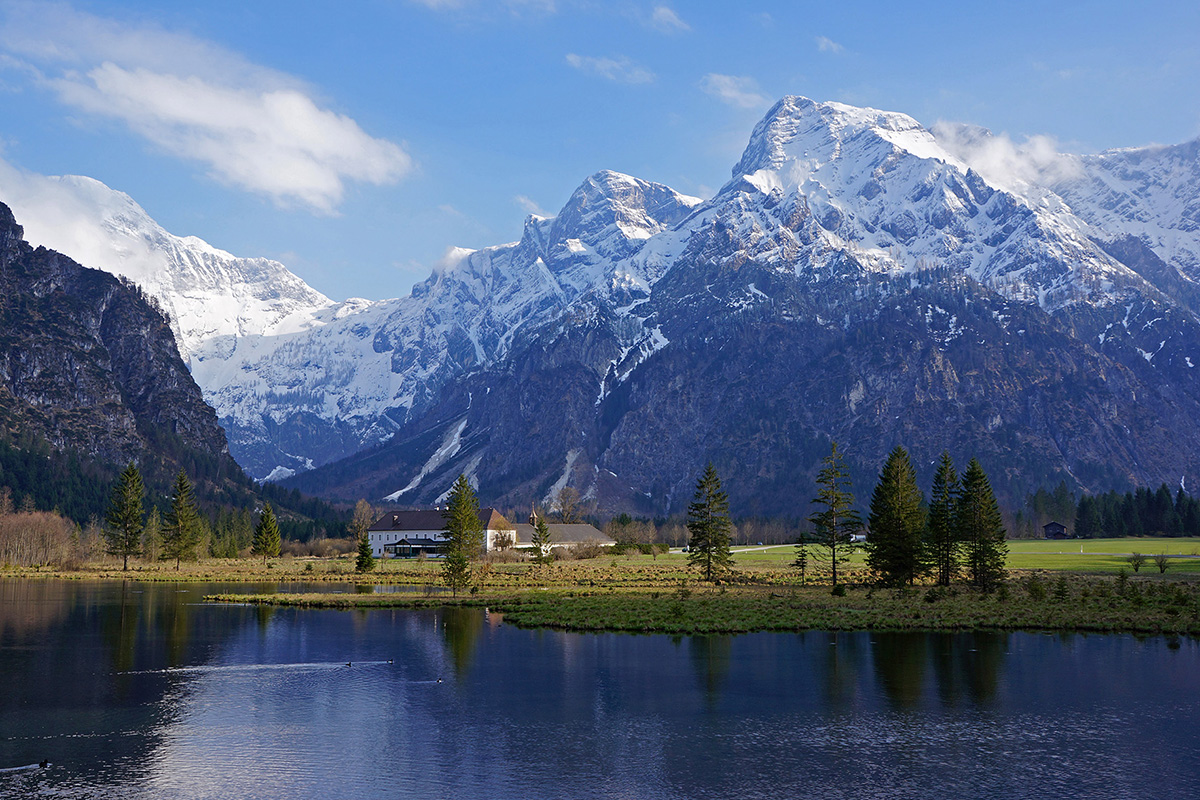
(139, 691)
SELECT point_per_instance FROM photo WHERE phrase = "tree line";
(1144, 511)
(129, 531)
(958, 533)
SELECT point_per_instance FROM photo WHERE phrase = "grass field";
(767, 564)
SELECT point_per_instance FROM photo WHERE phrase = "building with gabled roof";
(407, 534)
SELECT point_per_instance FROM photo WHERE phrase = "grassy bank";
(1054, 586)
(1031, 602)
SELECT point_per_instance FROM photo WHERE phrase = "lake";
(135, 690)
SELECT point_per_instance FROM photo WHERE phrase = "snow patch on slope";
(451, 444)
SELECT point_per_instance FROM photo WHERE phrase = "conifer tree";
(944, 545)
(543, 552)
(708, 525)
(800, 562)
(981, 529)
(181, 525)
(1088, 523)
(464, 534)
(836, 521)
(266, 534)
(897, 523)
(360, 527)
(123, 523)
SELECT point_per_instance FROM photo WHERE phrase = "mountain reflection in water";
(141, 691)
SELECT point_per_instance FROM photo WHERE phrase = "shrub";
(1035, 587)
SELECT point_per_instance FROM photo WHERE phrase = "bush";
(321, 548)
(581, 550)
(1036, 589)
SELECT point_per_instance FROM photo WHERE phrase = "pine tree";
(1088, 522)
(981, 529)
(943, 544)
(801, 560)
(123, 528)
(708, 525)
(835, 524)
(543, 552)
(360, 527)
(464, 534)
(266, 534)
(897, 521)
(181, 526)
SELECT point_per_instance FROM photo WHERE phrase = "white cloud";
(736, 91)
(529, 206)
(827, 45)
(1005, 164)
(667, 21)
(619, 69)
(253, 128)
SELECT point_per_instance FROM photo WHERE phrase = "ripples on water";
(150, 696)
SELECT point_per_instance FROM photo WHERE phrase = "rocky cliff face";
(90, 365)
(854, 280)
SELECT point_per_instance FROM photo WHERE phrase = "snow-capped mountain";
(298, 380)
(860, 276)
(208, 294)
(856, 278)
(1149, 193)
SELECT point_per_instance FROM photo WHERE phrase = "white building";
(407, 534)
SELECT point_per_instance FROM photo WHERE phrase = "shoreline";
(1083, 606)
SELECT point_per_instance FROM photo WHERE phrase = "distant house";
(408, 534)
(1055, 530)
(564, 535)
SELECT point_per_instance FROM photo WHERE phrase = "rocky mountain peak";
(798, 132)
(613, 214)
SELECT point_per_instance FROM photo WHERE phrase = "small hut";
(1055, 530)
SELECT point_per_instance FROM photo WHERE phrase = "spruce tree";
(1088, 523)
(543, 552)
(943, 544)
(266, 534)
(836, 521)
(897, 523)
(464, 534)
(123, 523)
(708, 525)
(981, 529)
(360, 527)
(181, 525)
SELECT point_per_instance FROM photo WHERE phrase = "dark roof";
(432, 520)
(560, 532)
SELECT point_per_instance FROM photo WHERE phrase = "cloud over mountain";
(252, 128)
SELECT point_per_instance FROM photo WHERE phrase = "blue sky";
(357, 141)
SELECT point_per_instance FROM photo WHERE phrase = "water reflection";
(461, 628)
(710, 659)
(138, 691)
(900, 661)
